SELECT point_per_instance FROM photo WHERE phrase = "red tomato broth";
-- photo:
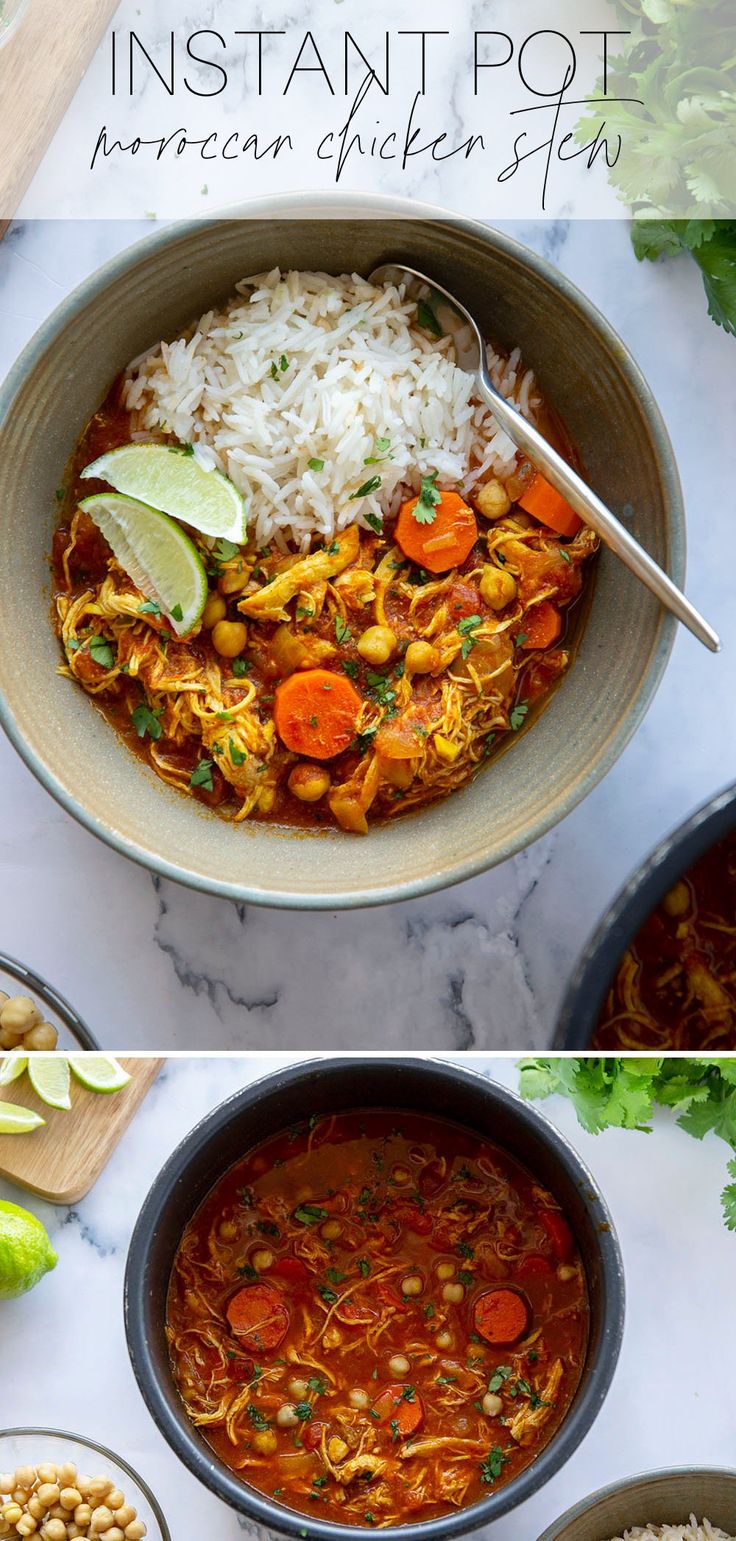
(417, 1444)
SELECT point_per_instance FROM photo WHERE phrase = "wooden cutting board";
(62, 1161)
(41, 67)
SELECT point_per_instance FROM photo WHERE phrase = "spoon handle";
(594, 513)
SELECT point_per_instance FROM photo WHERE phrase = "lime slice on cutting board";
(16, 1120)
(162, 561)
(12, 1066)
(49, 1077)
(173, 481)
(99, 1072)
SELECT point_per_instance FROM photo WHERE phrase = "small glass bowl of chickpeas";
(56, 1486)
(34, 1017)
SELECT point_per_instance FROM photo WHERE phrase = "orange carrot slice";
(316, 712)
(443, 544)
(501, 1316)
(542, 625)
(547, 505)
(259, 1316)
(402, 1405)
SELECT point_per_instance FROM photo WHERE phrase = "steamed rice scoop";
(690, 1532)
(326, 402)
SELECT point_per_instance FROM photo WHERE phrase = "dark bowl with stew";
(648, 885)
(475, 1106)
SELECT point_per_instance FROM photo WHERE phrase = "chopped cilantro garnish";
(364, 1267)
(309, 1214)
(256, 1416)
(350, 667)
(225, 551)
(520, 638)
(372, 485)
(517, 715)
(427, 319)
(425, 508)
(240, 667)
(177, 613)
(145, 721)
(499, 1377)
(101, 650)
(303, 1411)
(237, 756)
(151, 607)
(202, 776)
(316, 465)
(327, 1294)
(342, 630)
(493, 1464)
(374, 522)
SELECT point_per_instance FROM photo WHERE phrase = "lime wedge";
(12, 1066)
(173, 481)
(15, 1120)
(99, 1072)
(162, 561)
(49, 1077)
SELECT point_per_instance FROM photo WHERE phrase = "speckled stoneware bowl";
(655, 1498)
(155, 289)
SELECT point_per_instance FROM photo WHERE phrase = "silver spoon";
(471, 356)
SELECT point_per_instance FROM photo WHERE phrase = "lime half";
(173, 481)
(26, 1253)
(49, 1077)
(162, 561)
(99, 1072)
(12, 1066)
(16, 1120)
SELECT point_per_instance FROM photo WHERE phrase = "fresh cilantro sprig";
(425, 508)
(622, 1093)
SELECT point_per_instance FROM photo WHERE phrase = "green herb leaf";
(374, 522)
(177, 613)
(517, 715)
(256, 1416)
(101, 650)
(425, 508)
(225, 551)
(342, 630)
(303, 1411)
(364, 1267)
(202, 776)
(151, 607)
(145, 721)
(427, 319)
(239, 667)
(316, 465)
(492, 1466)
(237, 756)
(372, 485)
(350, 668)
(310, 1214)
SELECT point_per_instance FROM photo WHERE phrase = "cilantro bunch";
(622, 1093)
(677, 166)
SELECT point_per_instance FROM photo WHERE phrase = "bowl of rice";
(679, 1504)
(156, 317)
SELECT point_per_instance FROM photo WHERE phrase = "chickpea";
(287, 1416)
(215, 610)
(377, 644)
(421, 658)
(262, 1259)
(67, 1476)
(298, 1389)
(453, 1293)
(9, 1039)
(492, 1405)
(71, 1498)
(82, 1516)
(331, 1230)
(357, 1397)
(267, 799)
(413, 1284)
(401, 1175)
(265, 1442)
(49, 1494)
(445, 1270)
(35, 1507)
(43, 1038)
(25, 1476)
(676, 903)
(309, 782)
(228, 1230)
(566, 1272)
(26, 1525)
(124, 1515)
(114, 1534)
(234, 579)
(497, 587)
(84, 1483)
(101, 1520)
(45, 1473)
(98, 1487)
(492, 499)
(135, 1531)
(55, 1530)
(229, 638)
(444, 1340)
(19, 1014)
(399, 1366)
(12, 1513)
(7, 1481)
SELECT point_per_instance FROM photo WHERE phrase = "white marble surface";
(482, 965)
(673, 1400)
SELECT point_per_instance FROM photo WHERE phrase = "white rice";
(690, 1532)
(358, 370)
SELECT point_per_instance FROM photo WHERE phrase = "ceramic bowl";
(156, 288)
(35, 1447)
(325, 1086)
(17, 979)
(655, 1498)
(641, 894)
